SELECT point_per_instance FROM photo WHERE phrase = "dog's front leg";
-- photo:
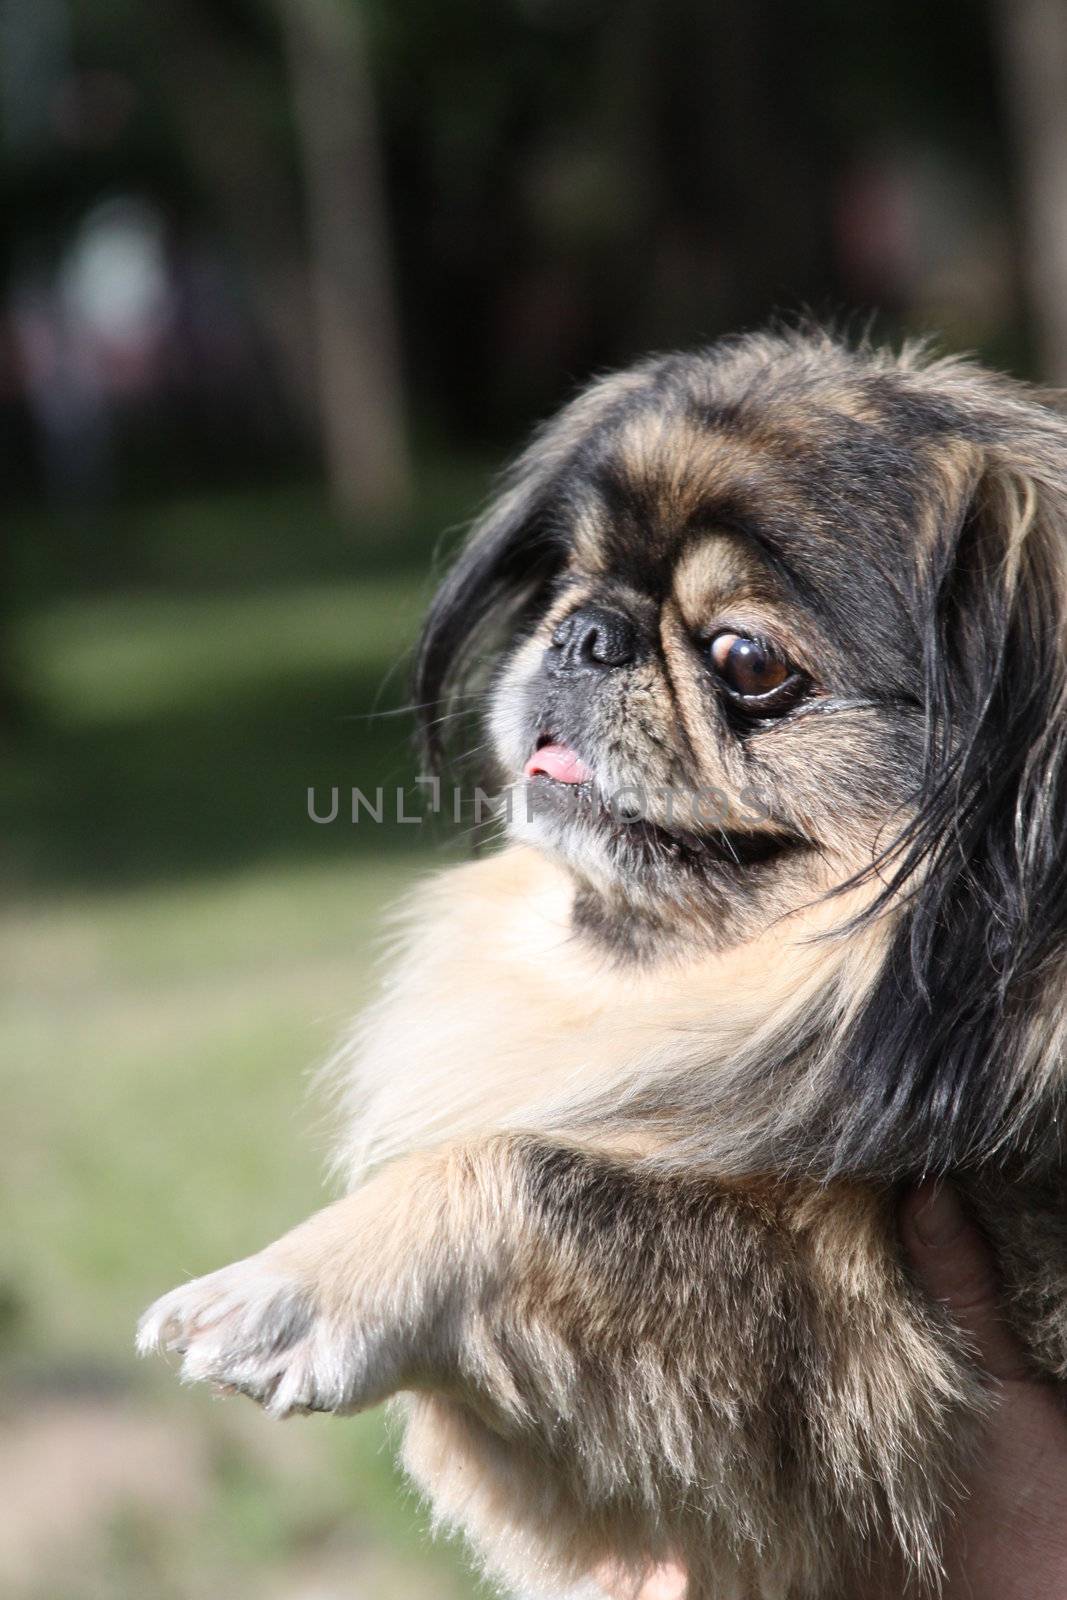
(615, 1361)
(366, 1297)
(443, 1272)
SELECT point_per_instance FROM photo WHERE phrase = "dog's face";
(717, 706)
(719, 690)
(782, 616)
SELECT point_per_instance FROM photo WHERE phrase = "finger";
(954, 1264)
(665, 1582)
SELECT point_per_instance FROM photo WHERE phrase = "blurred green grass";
(171, 728)
(180, 946)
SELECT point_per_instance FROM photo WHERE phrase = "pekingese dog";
(773, 643)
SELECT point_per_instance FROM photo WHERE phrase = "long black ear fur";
(510, 557)
(956, 1056)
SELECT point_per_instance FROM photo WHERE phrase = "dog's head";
(781, 616)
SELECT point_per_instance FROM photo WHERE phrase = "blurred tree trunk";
(360, 398)
(216, 101)
(1035, 47)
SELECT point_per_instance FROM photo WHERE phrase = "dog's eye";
(757, 675)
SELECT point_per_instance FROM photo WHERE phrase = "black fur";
(929, 1070)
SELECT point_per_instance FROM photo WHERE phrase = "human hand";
(1009, 1538)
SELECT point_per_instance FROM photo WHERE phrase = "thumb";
(953, 1262)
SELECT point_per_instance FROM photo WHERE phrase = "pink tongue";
(558, 761)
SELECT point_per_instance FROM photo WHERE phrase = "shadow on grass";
(201, 665)
(212, 787)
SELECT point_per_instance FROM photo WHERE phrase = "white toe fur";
(251, 1328)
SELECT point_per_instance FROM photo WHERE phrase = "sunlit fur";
(624, 1129)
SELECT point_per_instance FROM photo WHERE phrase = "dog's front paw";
(254, 1328)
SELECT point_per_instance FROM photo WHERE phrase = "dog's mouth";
(557, 763)
(568, 783)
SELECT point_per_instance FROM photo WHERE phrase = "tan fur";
(491, 972)
(685, 466)
(717, 572)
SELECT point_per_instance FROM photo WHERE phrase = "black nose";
(593, 639)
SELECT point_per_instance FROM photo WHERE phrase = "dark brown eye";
(754, 671)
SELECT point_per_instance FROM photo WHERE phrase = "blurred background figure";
(280, 282)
